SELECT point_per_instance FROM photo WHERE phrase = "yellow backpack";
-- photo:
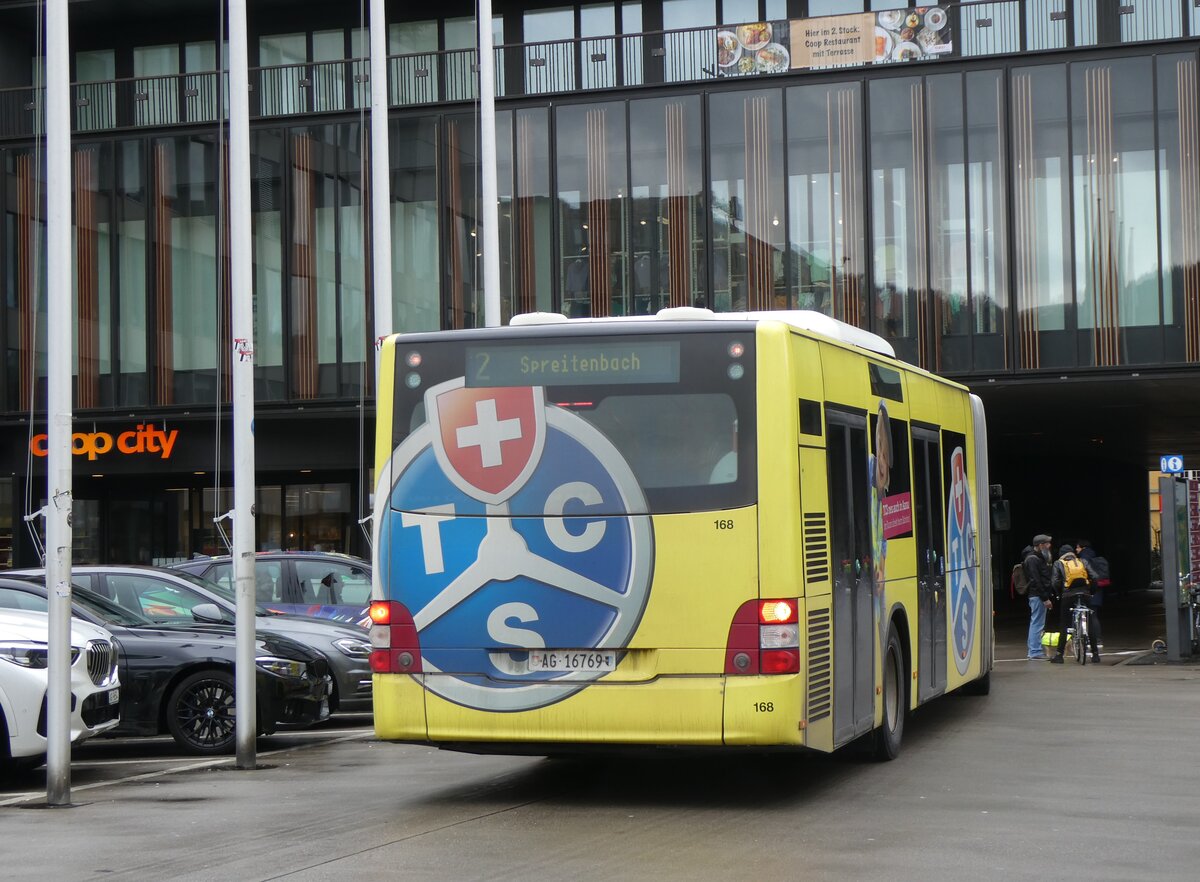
(1074, 574)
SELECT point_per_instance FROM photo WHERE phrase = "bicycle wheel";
(1084, 647)
(1078, 641)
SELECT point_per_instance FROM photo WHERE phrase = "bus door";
(931, 569)
(853, 625)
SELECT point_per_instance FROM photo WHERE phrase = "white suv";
(95, 693)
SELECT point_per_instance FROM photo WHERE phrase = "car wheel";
(895, 701)
(200, 713)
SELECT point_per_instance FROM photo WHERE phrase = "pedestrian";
(1099, 566)
(1072, 578)
(1037, 572)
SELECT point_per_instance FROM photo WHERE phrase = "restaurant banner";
(895, 35)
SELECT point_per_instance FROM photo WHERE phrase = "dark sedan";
(178, 679)
(176, 597)
(320, 584)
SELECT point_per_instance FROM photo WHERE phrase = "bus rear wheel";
(895, 701)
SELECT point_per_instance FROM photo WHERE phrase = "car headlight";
(353, 648)
(26, 653)
(283, 667)
(30, 653)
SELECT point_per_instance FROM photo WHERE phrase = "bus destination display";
(574, 364)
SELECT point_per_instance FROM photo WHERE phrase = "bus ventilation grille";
(820, 670)
(816, 547)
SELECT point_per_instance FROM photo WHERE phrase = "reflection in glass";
(1152, 20)
(525, 225)
(632, 46)
(185, 278)
(25, 276)
(947, 222)
(326, 288)
(1116, 224)
(463, 246)
(833, 7)
(692, 51)
(746, 143)
(1179, 199)
(666, 203)
(591, 160)
(549, 50)
(899, 215)
(988, 217)
(155, 69)
(1042, 221)
(267, 200)
(413, 64)
(825, 223)
(94, 90)
(132, 290)
(597, 46)
(991, 28)
(91, 308)
(416, 278)
(282, 58)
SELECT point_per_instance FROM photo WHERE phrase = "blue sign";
(557, 555)
(1172, 464)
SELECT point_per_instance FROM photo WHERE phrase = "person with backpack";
(1018, 582)
(1099, 566)
(1073, 578)
(1038, 593)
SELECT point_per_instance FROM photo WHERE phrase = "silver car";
(168, 595)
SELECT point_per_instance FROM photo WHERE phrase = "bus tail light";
(395, 647)
(764, 638)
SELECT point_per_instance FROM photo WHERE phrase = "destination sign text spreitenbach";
(575, 363)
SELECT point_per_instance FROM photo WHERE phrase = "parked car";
(177, 597)
(178, 679)
(320, 584)
(24, 675)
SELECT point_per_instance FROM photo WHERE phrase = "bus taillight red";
(395, 646)
(764, 638)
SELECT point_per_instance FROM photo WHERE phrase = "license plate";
(570, 660)
(114, 696)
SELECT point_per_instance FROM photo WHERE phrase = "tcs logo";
(511, 525)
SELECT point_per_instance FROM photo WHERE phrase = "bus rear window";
(678, 407)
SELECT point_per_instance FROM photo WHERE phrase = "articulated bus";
(755, 530)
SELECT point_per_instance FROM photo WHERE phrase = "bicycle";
(1079, 632)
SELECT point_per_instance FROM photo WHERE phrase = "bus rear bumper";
(678, 711)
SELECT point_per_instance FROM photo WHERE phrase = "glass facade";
(988, 217)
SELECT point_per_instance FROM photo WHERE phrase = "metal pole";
(381, 182)
(1172, 496)
(242, 358)
(487, 162)
(58, 403)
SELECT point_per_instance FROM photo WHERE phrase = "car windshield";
(106, 610)
(221, 590)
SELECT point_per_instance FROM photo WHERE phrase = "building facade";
(1007, 191)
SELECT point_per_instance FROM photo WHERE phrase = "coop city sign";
(144, 439)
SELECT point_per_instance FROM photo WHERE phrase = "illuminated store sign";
(144, 439)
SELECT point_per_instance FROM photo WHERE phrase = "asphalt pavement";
(1063, 771)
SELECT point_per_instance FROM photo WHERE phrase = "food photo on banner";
(754, 48)
(896, 35)
(912, 34)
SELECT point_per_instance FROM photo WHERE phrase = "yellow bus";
(689, 530)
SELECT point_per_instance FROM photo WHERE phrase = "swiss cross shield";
(487, 440)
